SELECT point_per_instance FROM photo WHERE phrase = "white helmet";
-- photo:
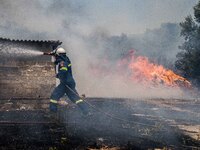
(60, 51)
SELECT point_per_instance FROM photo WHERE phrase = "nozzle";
(47, 53)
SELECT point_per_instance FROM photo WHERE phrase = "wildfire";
(139, 69)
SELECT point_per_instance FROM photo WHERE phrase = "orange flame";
(140, 69)
(143, 71)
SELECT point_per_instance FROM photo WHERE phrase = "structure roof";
(33, 41)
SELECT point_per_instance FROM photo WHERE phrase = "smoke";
(93, 31)
(16, 52)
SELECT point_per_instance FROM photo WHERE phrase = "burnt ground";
(114, 124)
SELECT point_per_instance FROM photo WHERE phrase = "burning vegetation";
(142, 122)
(138, 69)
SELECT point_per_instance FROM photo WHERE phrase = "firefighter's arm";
(62, 73)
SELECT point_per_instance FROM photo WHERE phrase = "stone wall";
(26, 78)
(32, 80)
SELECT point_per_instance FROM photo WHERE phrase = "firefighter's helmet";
(60, 50)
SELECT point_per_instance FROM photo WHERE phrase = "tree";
(188, 60)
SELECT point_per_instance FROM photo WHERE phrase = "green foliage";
(188, 60)
(189, 28)
(197, 12)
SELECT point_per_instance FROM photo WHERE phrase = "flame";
(139, 69)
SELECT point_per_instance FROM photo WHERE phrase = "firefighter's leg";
(57, 93)
(74, 97)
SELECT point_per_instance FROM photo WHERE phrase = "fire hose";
(97, 109)
(111, 115)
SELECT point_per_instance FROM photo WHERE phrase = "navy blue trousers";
(62, 89)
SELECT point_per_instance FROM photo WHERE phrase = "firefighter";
(67, 84)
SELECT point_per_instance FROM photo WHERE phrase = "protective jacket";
(64, 72)
(67, 85)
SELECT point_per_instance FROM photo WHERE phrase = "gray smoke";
(93, 31)
(100, 33)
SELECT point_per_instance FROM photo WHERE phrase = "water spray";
(19, 52)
